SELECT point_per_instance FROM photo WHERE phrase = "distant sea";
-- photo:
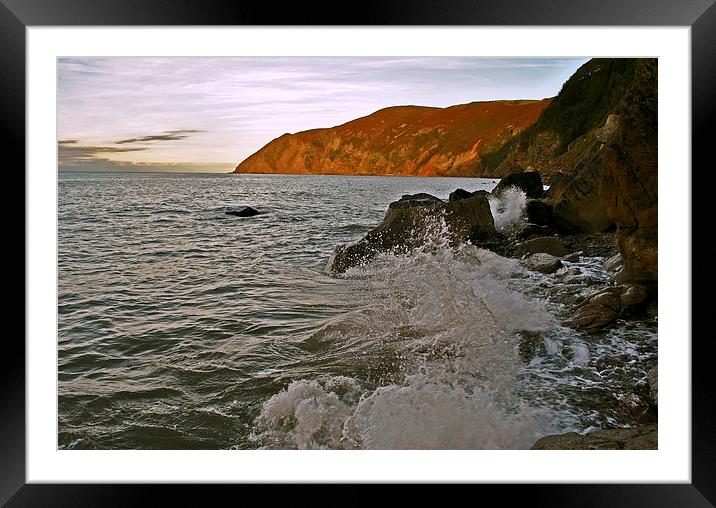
(181, 327)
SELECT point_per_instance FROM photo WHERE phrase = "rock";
(539, 211)
(579, 208)
(546, 244)
(459, 194)
(632, 298)
(637, 408)
(559, 183)
(610, 130)
(597, 310)
(247, 211)
(643, 437)
(572, 271)
(614, 264)
(409, 225)
(572, 257)
(630, 173)
(411, 200)
(541, 262)
(529, 182)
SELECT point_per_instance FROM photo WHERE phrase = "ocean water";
(180, 327)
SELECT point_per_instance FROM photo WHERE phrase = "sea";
(181, 327)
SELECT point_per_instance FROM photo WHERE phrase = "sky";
(208, 114)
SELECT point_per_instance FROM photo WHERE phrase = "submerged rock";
(247, 211)
(546, 244)
(415, 221)
(541, 262)
(530, 182)
(643, 437)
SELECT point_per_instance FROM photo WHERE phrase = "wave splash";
(453, 318)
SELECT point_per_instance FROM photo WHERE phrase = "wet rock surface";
(547, 244)
(541, 262)
(416, 220)
(636, 438)
(530, 182)
(247, 211)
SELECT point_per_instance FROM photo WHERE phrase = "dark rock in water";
(598, 310)
(529, 182)
(572, 257)
(637, 405)
(244, 212)
(559, 183)
(459, 194)
(411, 200)
(595, 244)
(539, 211)
(643, 437)
(546, 244)
(614, 264)
(633, 297)
(541, 262)
(409, 225)
(604, 306)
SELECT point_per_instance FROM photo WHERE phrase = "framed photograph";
(422, 245)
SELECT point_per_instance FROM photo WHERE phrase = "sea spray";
(453, 321)
(508, 210)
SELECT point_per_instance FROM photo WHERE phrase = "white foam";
(508, 210)
(453, 318)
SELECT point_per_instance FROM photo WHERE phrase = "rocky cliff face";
(404, 140)
(565, 136)
(597, 142)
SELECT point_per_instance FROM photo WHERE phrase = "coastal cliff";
(402, 140)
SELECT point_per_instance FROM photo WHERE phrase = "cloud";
(69, 152)
(174, 135)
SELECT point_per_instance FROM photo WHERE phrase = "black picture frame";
(700, 15)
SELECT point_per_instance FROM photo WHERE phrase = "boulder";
(543, 263)
(598, 310)
(579, 208)
(572, 257)
(632, 298)
(247, 211)
(459, 194)
(530, 182)
(412, 200)
(539, 211)
(547, 244)
(643, 437)
(614, 264)
(559, 183)
(408, 224)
